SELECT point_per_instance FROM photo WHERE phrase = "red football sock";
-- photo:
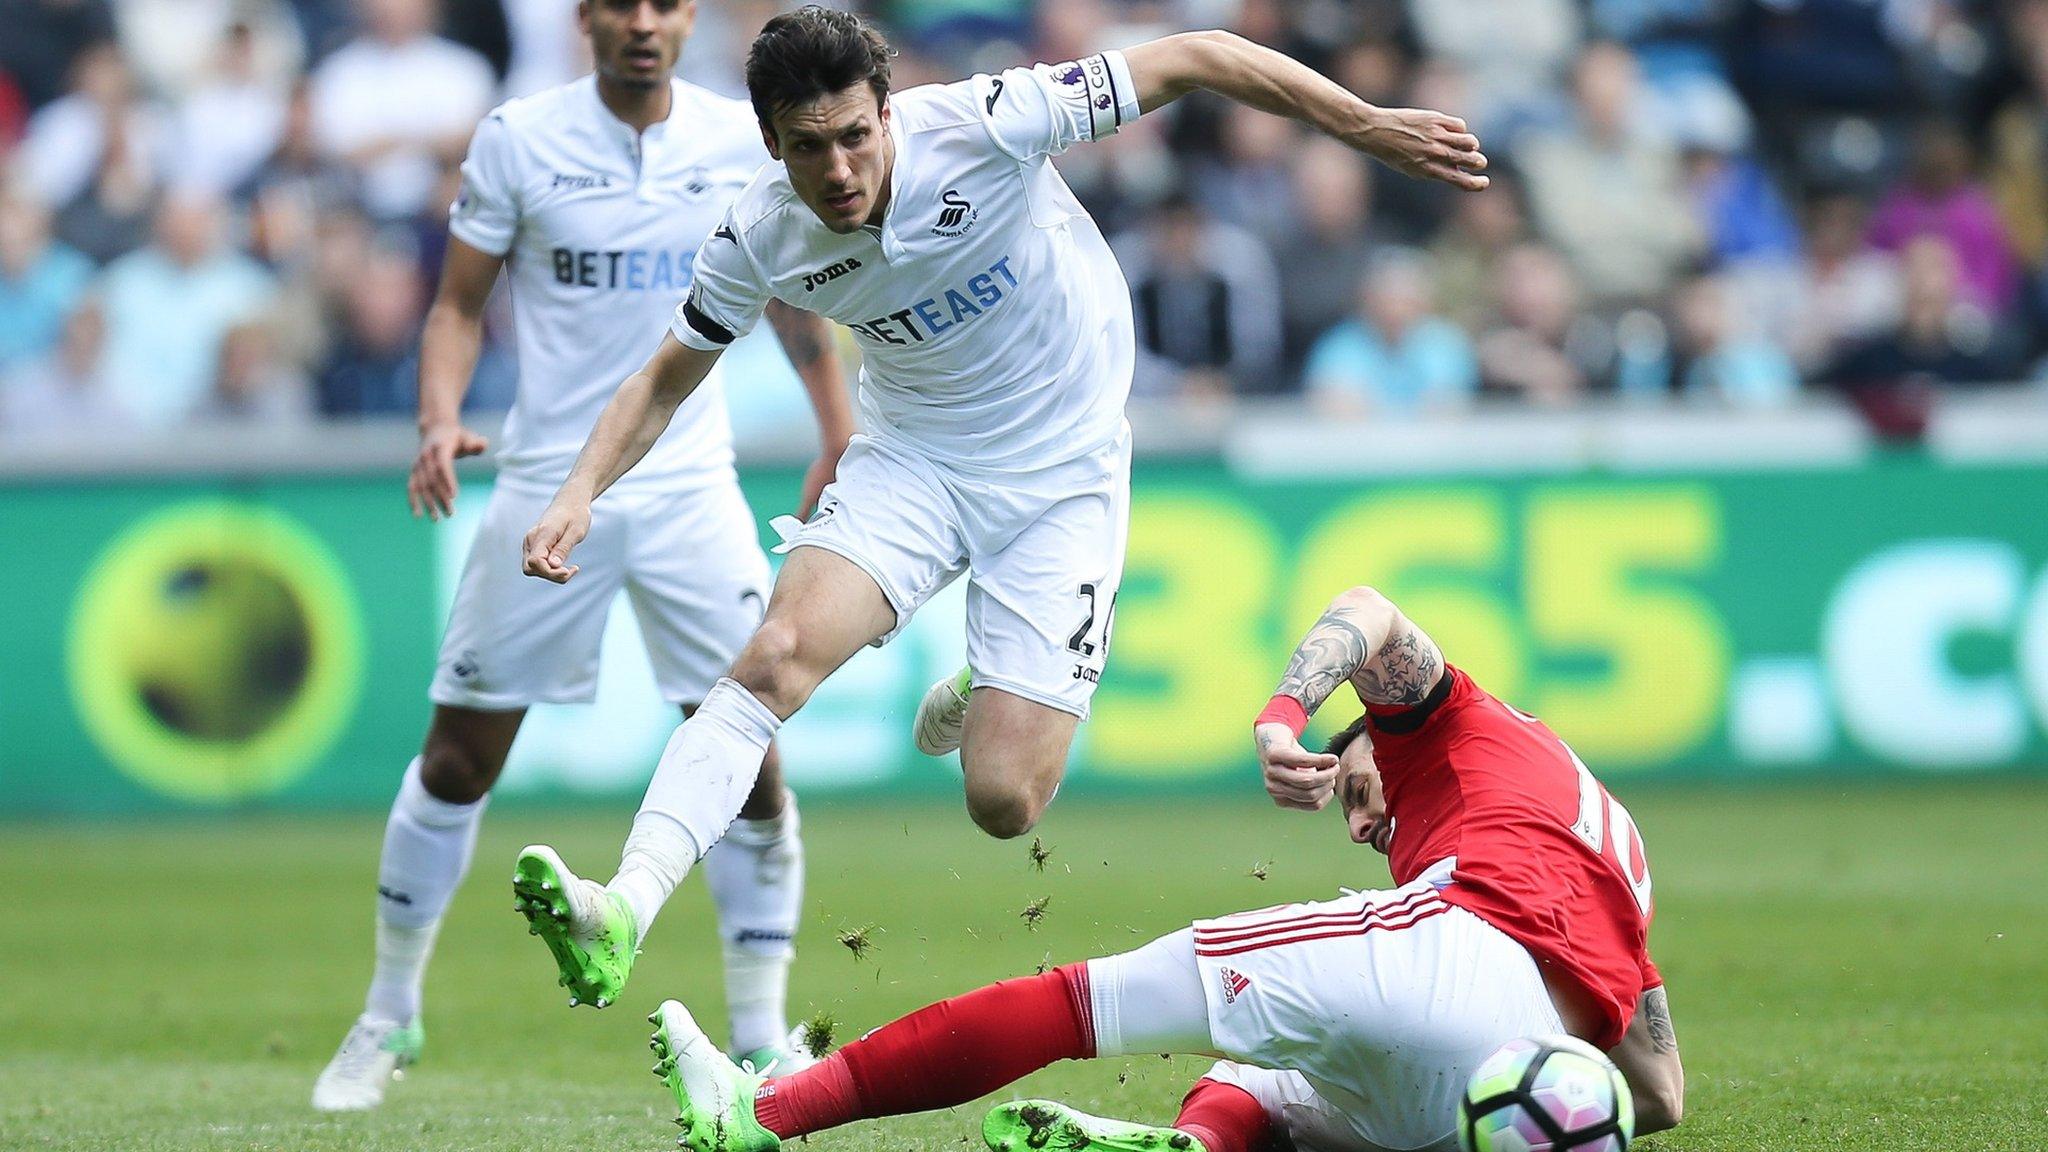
(1225, 1118)
(938, 1056)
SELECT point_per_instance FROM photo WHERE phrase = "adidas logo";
(1234, 984)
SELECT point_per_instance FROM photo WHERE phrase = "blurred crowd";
(235, 209)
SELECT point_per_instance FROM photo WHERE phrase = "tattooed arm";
(1648, 1057)
(1363, 638)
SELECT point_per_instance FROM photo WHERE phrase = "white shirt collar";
(622, 131)
(892, 247)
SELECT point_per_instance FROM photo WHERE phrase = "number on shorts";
(1079, 643)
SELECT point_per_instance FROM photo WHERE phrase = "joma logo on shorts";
(829, 273)
(1084, 672)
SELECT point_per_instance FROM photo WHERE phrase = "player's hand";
(1423, 144)
(1365, 803)
(822, 471)
(1295, 776)
(432, 486)
(561, 528)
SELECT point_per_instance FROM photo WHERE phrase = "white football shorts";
(1043, 550)
(690, 562)
(1358, 1021)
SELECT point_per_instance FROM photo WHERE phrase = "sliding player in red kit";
(1522, 907)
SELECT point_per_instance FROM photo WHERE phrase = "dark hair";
(1342, 740)
(812, 52)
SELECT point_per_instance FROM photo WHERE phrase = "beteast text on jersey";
(634, 269)
(981, 293)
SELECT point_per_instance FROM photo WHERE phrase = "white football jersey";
(599, 227)
(994, 325)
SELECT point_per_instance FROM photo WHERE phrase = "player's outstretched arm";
(806, 339)
(1363, 638)
(449, 344)
(1648, 1057)
(1414, 141)
(631, 422)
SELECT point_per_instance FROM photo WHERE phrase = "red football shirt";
(1543, 852)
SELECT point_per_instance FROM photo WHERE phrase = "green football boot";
(590, 931)
(1032, 1125)
(714, 1099)
(373, 1054)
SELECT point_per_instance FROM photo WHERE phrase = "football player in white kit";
(595, 195)
(997, 345)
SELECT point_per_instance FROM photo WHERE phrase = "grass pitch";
(1860, 967)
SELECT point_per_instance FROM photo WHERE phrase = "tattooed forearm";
(1657, 1014)
(804, 337)
(1329, 654)
(1406, 670)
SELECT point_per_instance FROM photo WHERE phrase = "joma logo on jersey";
(957, 216)
(829, 273)
(580, 180)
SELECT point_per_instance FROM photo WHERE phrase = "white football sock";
(756, 876)
(704, 776)
(427, 847)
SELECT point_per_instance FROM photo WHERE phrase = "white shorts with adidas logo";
(1358, 1021)
(1355, 1021)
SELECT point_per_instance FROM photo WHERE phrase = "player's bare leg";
(465, 751)
(824, 609)
(1013, 752)
(428, 843)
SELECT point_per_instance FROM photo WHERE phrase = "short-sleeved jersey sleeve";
(1045, 109)
(726, 295)
(485, 214)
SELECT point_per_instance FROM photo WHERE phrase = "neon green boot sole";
(594, 966)
(1036, 1125)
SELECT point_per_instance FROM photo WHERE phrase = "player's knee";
(452, 771)
(1004, 810)
(1006, 818)
(772, 668)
